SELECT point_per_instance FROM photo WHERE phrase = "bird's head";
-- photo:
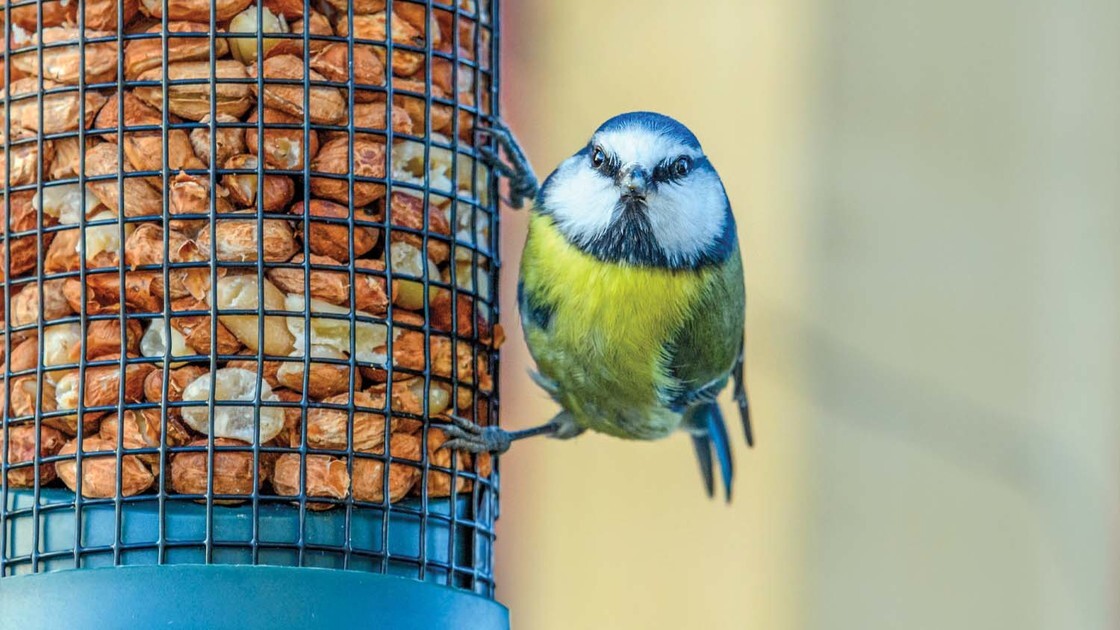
(642, 192)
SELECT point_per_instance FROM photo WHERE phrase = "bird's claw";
(468, 436)
(522, 180)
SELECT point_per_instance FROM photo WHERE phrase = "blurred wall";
(964, 315)
(929, 204)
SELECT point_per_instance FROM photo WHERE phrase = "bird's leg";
(522, 180)
(470, 437)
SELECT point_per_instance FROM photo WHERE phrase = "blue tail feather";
(718, 431)
(709, 433)
(704, 458)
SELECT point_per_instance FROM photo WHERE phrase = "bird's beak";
(634, 180)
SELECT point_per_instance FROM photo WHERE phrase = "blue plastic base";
(241, 597)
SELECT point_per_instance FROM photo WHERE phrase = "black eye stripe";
(664, 171)
(612, 167)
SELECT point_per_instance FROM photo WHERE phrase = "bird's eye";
(682, 166)
(598, 158)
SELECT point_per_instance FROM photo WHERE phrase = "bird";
(631, 291)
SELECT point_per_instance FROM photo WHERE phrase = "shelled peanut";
(269, 193)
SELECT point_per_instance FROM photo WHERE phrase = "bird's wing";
(702, 353)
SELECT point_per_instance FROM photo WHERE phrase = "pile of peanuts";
(116, 267)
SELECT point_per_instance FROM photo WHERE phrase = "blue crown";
(657, 123)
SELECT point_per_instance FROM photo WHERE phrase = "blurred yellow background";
(928, 202)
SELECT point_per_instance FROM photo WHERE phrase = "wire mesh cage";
(245, 247)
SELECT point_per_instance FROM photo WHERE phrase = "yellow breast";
(605, 344)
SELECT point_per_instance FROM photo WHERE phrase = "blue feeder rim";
(215, 597)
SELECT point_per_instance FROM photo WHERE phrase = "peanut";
(243, 187)
(21, 449)
(99, 472)
(324, 379)
(407, 211)
(64, 64)
(237, 239)
(325, 103)
(140, 199)
(141, 55)
(192, 101)
(333, 62)
(283, 148)
(335, 332)
(332, 239)
(229, 140)
(335, 156)
(245, 48)
(326, 428)
(329, 286)
(369, 473)
(196, 329)
(61, 109)
(325, 477)
(241, 292)
(234, 422)
(233, 471)
(193, 10)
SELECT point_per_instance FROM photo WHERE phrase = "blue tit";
(631, 292)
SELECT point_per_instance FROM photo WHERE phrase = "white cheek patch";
(581, 200)
(688, 216)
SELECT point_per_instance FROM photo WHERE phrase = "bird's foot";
(468, 436)
(522, 180)
(473, 438)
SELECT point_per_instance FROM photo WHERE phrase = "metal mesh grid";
(74, 79)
